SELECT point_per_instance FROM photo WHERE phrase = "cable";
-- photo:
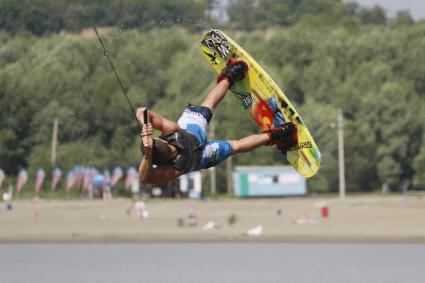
(106, 54)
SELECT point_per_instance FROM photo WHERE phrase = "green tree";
(374, 15)
(373, 72)
(242, 13)
(403, 18)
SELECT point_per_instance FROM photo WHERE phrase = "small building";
(268, 181)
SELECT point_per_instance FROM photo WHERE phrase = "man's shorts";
(195, 119)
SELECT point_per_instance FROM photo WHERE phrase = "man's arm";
(150, 175)
(158, 122)
(147, 173)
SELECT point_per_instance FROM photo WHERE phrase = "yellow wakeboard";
(259, 94)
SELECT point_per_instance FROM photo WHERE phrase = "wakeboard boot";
(234, 71)
(283, 136)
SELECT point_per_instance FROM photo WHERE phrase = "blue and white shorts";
(195, 120)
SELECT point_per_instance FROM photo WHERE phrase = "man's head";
(161, 152)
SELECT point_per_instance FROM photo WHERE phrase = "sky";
(415, 7)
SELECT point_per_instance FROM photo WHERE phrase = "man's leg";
(217, 151)
(233, 72)
(249, 143)
(216, 95)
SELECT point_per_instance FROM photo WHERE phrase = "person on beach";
(183, 146)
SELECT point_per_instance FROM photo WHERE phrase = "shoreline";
(262, 240)
(358, 219)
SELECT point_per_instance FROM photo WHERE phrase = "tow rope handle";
(145, 116)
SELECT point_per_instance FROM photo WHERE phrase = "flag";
(98, 180)
(79, 176)
(107, 176)
(116, 176)
(39, 179)
(70, 180)
(86, 178)
(2, 176)
(22, 179)
(56, 175)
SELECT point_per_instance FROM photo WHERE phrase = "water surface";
(212, 262)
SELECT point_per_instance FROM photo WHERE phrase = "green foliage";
(334, 55)
(419, 165)
(320, 119)
(375, 15)
(403, 18)
(45, 16)
(249, 14)
(68, 79)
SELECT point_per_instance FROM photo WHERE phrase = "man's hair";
(161, 153)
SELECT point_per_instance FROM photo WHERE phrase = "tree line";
(46, 16)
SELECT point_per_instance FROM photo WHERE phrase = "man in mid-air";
(183, 146)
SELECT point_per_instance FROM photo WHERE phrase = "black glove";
(284, 136)
(234, 71)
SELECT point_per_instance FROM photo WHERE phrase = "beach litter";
(256, 231)
(180, 222)
(232, 219)
(324, 208)
(210, 225)
(305, 220)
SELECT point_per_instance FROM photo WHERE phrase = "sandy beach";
(356, 219)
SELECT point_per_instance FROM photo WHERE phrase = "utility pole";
(54, 141)
(229, 175)
(212, 169)
(341, 162)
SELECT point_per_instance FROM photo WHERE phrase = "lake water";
(212, 262)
